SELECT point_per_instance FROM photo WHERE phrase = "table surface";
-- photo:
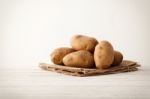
(25, 83)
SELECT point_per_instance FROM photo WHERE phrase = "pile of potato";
(87, 52)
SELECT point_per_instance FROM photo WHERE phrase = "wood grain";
(26, 83)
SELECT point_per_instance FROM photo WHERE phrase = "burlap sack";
(125, 66)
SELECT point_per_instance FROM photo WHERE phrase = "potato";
(118, 57)
(81, 42)
(103, 55)
(82, 59)
(58, 54)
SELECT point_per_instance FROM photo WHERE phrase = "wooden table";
(25, 83)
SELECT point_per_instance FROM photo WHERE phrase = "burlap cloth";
(125, 66)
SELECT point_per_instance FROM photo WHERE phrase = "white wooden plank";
(36, 83)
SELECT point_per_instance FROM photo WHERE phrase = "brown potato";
(103, 55)
(82, 59)
(58, 54)
(118, 57)
(81, 42)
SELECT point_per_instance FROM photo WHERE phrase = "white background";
(31, 29)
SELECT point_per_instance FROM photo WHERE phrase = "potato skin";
(81, 59)
(118, 57)
(81, 42)
(58, 54)
(103, 55)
